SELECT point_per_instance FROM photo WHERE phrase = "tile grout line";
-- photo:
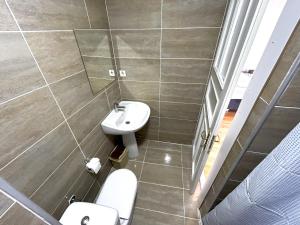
(158, 81)
(22, 95)
(163, 28)
(261, 98)
(159, 164)
(144, 160)
(160, 62)
(87, 13)
(286, 107)
(151, 210)
(66, 77)
(183, 206)
(162, 185)
(8, 207)
(115, 29)
(113, 48)
(40, 70)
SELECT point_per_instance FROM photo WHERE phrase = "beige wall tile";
(50, 15)
(133, 90)
(181, 126)
(185, 70)
(140, 69)
(253, 119)
(7, 21)
(178, 92)
(94, 42)
(72, 93)
(189, 43)
(28, 171)
(59, 182)
(247, 163)
(93, 141)
(24, 121)
(83, 122)
(18, 72)
(179, 110)
(182, 138)
(134, 14)
(5, 203)
(291, 96)
(150, 130)
(56, 52)
(97, 13)
(276, 127)
(136, 43)
(207, 13)
(113, 93)
(228, 188)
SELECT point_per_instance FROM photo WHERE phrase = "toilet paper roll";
(94, 165)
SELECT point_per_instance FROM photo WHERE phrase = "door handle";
(205, 138)
(211, 143)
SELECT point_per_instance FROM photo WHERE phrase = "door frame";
(249, 16)
(282, 31)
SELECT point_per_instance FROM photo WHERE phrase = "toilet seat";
(119, 192)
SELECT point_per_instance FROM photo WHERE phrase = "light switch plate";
(111, 73)
(122, 73)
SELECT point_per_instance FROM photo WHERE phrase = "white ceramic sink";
(92, 214)
(132, 118)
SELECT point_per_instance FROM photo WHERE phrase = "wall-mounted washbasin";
(127, 118)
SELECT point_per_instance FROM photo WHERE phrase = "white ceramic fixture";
(113, 206)
(119, 192)
(127, 118)
(89, 214)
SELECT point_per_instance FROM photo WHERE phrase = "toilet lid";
(119, 191)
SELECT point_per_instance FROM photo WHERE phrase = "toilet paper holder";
(92, 165)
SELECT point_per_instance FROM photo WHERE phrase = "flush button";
(85, 220)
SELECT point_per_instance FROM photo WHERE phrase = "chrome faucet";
(118, 108)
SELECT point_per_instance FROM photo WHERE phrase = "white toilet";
(113, 206)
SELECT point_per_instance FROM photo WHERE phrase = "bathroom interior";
(156, 112)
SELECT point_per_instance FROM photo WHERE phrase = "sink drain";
(127, 122)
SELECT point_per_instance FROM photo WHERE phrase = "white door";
(238, 23)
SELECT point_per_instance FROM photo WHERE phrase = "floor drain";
(127, 122)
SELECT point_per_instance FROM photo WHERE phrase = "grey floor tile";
(164, 145)
(145, 217)
(187, 173)
(160, 198)
(191, 204)
(159, 174)
(192, 222)
(141, 156)
(165, 157)
(187, 156)
(135, 167)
